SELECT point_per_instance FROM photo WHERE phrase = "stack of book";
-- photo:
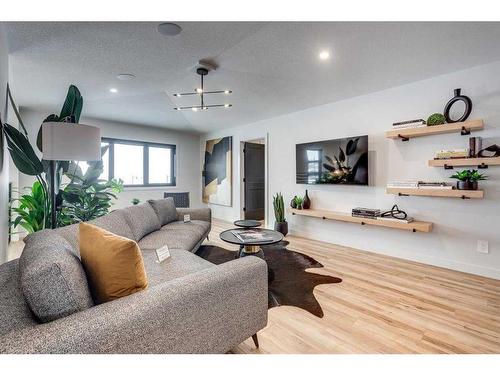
(407, 184)
(370, 213)
(434, 185)
(419, 123)
(452, 154)
(414, 184)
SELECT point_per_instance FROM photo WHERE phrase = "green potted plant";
(281, 224)
(298, 202)
(468, 179)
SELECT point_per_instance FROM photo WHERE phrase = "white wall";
(458, 224)
(4, 161)
(187, 149)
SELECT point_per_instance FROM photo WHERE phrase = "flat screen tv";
(337, 161)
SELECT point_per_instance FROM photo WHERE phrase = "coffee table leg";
(254, 250)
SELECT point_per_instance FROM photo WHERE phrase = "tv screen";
(337, 161)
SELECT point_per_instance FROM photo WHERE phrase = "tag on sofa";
(187, 218)
(162, 253)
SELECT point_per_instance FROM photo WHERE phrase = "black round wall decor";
(458, 98)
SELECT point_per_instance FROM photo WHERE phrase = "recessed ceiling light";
(169, 29)
(227, 92)
(199, 91)
(324, 55)
(125, 76)
(194, 109)
(227, 105)
(113, 90)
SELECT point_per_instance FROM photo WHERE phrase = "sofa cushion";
(196, 227)
(53, 281)
(113, 264)
(116, 223)
(177, 235)
(113, 222)
(165, 209)
(179, 264)
(142, 220)
(15, 312)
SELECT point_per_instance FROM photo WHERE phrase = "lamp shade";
(62, 141)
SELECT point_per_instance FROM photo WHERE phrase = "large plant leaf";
(363, 159)
(72, 105)
(39, 142)
(341, 155)
(351, 146)
(328, 167)
(22, 153)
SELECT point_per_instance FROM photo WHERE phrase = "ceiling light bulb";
(199, 91)
(194, 109)
(125, 76)
(227, 92)
(227, 105)
(177, 94)
(324, 55)
(113, 90)
(205, 108)
(176, 108)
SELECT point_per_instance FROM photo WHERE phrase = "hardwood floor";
(382, 305)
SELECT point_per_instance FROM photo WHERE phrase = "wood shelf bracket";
(464, 131)
(404, 139)
(482, 166)
(403, 195)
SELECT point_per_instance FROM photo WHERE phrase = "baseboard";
(474, 269)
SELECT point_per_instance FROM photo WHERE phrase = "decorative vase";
(281, 227)
(467, 185)
(458, 98)
(306, 203)
(292, 203)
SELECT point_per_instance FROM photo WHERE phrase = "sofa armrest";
(209, 311)
(203, 214)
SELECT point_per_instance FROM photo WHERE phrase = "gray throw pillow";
(142, 220)
(53, 281)
(165, 209)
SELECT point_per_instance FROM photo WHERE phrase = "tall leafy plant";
(24, 156)
(84, 198)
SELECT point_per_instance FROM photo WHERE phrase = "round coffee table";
(247, 223)
(251, 247)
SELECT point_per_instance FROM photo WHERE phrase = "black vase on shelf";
(293, 204)
(458, 98)
(306, 204)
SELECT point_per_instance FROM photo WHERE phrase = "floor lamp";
(68, 142)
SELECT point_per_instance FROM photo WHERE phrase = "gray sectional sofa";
(190, 305)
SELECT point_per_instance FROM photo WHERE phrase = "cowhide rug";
(289, 283)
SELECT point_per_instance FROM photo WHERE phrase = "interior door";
(254, 181)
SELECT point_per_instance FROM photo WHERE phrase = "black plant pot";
(467, 185)
(281, 227)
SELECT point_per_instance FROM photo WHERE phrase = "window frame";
(145, 160)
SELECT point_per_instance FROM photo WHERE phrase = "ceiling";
(272, 68)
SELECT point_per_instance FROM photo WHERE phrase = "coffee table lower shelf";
(414, 226)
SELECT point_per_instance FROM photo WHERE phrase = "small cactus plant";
(279, 208)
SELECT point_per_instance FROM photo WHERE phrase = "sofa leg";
(255, 341)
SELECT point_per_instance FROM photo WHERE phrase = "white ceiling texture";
(272, 68)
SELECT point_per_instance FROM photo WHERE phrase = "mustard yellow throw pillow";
(113, 264)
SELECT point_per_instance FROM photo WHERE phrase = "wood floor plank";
(382, 305)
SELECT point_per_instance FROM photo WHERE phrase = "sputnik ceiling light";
(201, 92)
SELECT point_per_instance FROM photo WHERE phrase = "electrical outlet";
(482, 247)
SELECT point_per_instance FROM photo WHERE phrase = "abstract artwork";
(217, 184)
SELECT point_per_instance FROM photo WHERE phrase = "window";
(139, 163)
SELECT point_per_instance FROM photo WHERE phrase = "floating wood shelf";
(415, 226)
(447, 193)
(464, 162)
(463, 127)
